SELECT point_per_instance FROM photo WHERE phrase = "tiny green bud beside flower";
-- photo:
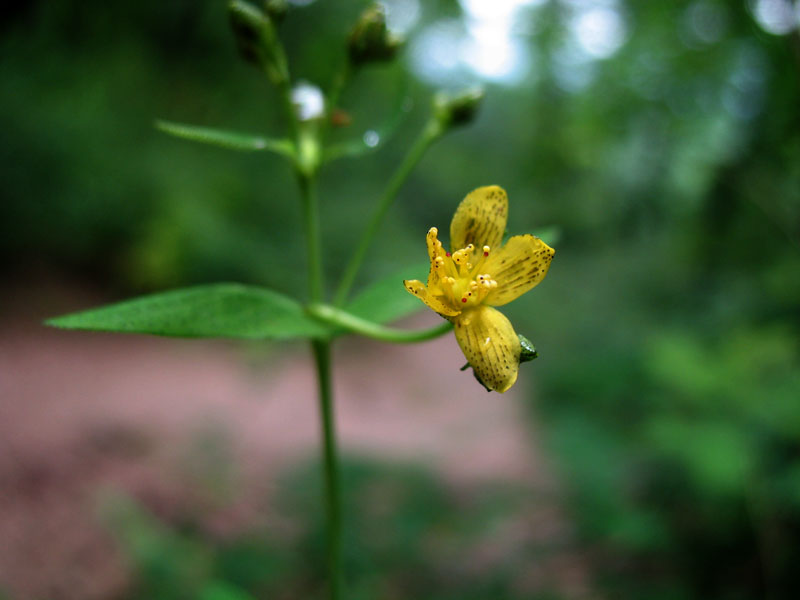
(457, 108)
(370, 40)
(527, 349)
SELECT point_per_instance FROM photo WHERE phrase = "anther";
(486, 250)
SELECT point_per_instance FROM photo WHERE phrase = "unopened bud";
(256, 38)
(276, 9)
(459, 108)
(370, 40)
(527, 349)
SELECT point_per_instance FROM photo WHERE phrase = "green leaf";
(387, 300)
(225, 139)
(227, 310)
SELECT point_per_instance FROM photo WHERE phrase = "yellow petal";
(492, 348)
(418, 288)
(517, 267)
(480, 219)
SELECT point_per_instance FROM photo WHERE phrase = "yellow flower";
(465, 284)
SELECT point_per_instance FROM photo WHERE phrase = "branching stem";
(350, 322)
(432, 131)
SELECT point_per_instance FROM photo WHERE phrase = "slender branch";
(338, 85)
(432, 131)
(333, 505)
(340, 318)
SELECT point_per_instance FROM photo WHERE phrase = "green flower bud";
(276, 9)
(459, 108)
(369, 40)
(528, 350)
(256, 39)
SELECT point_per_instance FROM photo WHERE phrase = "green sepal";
(226, 139)
(221, 310)
(387, 300)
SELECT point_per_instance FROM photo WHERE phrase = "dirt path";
(80, 411)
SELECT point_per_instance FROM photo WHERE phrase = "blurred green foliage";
(409, 536)
(667, 328)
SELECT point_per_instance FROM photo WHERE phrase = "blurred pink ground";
(80, 412)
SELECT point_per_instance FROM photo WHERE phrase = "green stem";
(340, 318)
(311, 222)
(339, 83)
(333, 505)
(306, 162)
(432, 131)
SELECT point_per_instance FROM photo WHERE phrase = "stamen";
(457, 275)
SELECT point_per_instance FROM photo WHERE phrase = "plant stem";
(432, 131)
(345, 320)
(311, 222)
(339, 82)
(333, 507)
(321, 349)
(305, 155)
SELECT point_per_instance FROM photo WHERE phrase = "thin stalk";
(432, 131)
(345, 320)
(305, 161)
(312, 235)
(339, 83)
(333, 504)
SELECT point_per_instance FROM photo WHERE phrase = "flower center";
(458, 279)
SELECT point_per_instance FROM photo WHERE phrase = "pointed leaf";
(387, 300)
(225, 139)
(224, 310)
